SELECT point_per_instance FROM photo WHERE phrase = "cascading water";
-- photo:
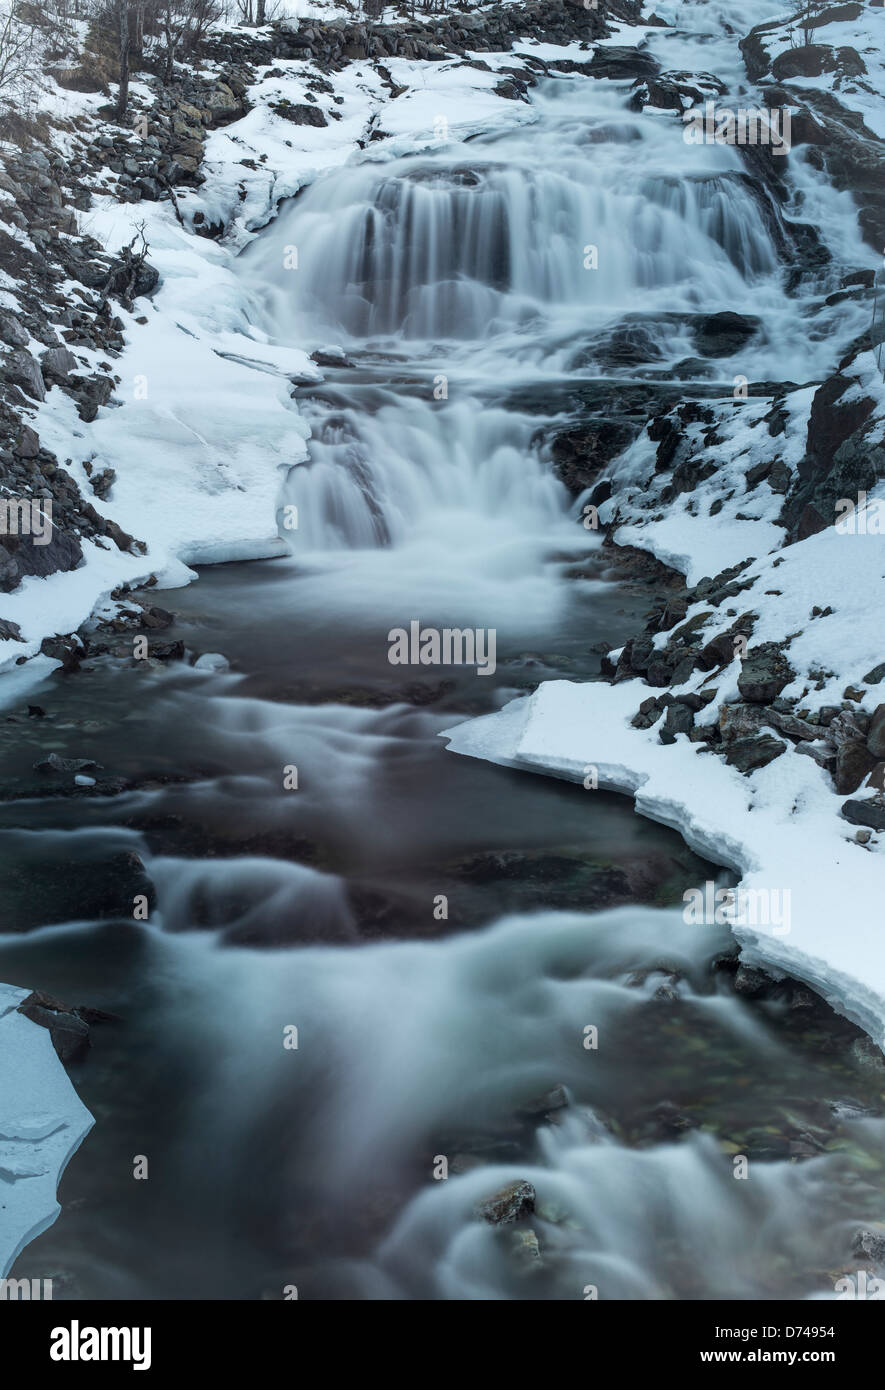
(478, 292)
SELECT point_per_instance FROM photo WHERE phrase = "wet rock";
(63, 888)
(525, 1248)
(751, 983)
(722, 335)
(55, 763)
(867, 1055)
(509, 1204)
(869, 1245)
(871, 813)
(620, 63)
(69, 1034)
(212, 661)
(554, 1099)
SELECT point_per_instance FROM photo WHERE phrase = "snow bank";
(42, 1123)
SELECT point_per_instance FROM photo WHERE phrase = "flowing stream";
(453, 287)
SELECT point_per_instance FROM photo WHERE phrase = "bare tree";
(18, 50)
(122, 10)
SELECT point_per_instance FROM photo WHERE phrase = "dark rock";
(876, 734)
(764, 674)
(301, 113)
(515, 1200)
(69, 1034)
(722, 335)
(23, 371)
(869, 1245)
(620, 63)
(748, 754)
(55, 763)
(871, 813)
(809, 61)
(853, 763)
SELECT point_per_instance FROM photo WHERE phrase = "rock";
(748, 754)
(12, 333)
(515, 1200)
(58, 363)
(876, 735)
(28, 443)
(764, 674)
(722, 335)
(871, 813)
(741, 721)
(23, 371)
(750, 982)
(212, 661)
(869, 1245)
(69, 1034)
(853, 763)
(55, 763)
(876, 675)
(809, 61)
(620, 63)
(525, 1247)
(301, 113)
(679, 720)
(867, 1055)
(21, 556)
(554, 1099)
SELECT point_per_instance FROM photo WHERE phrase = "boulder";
(509, 1204)
(764, 674)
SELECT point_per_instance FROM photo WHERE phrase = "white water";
(446, 509)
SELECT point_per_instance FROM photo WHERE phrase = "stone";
(876, 735)
(869, 1245)
(510, 1203)
(12, 333)
(748, 754)
(722, 335)
(28, 443)
(69, 1034)
(764, 674)
(23, 371)
(58, 363)
(853, 763)
(871, 813)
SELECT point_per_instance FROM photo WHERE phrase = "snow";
(42, 1123)
(779, 829)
